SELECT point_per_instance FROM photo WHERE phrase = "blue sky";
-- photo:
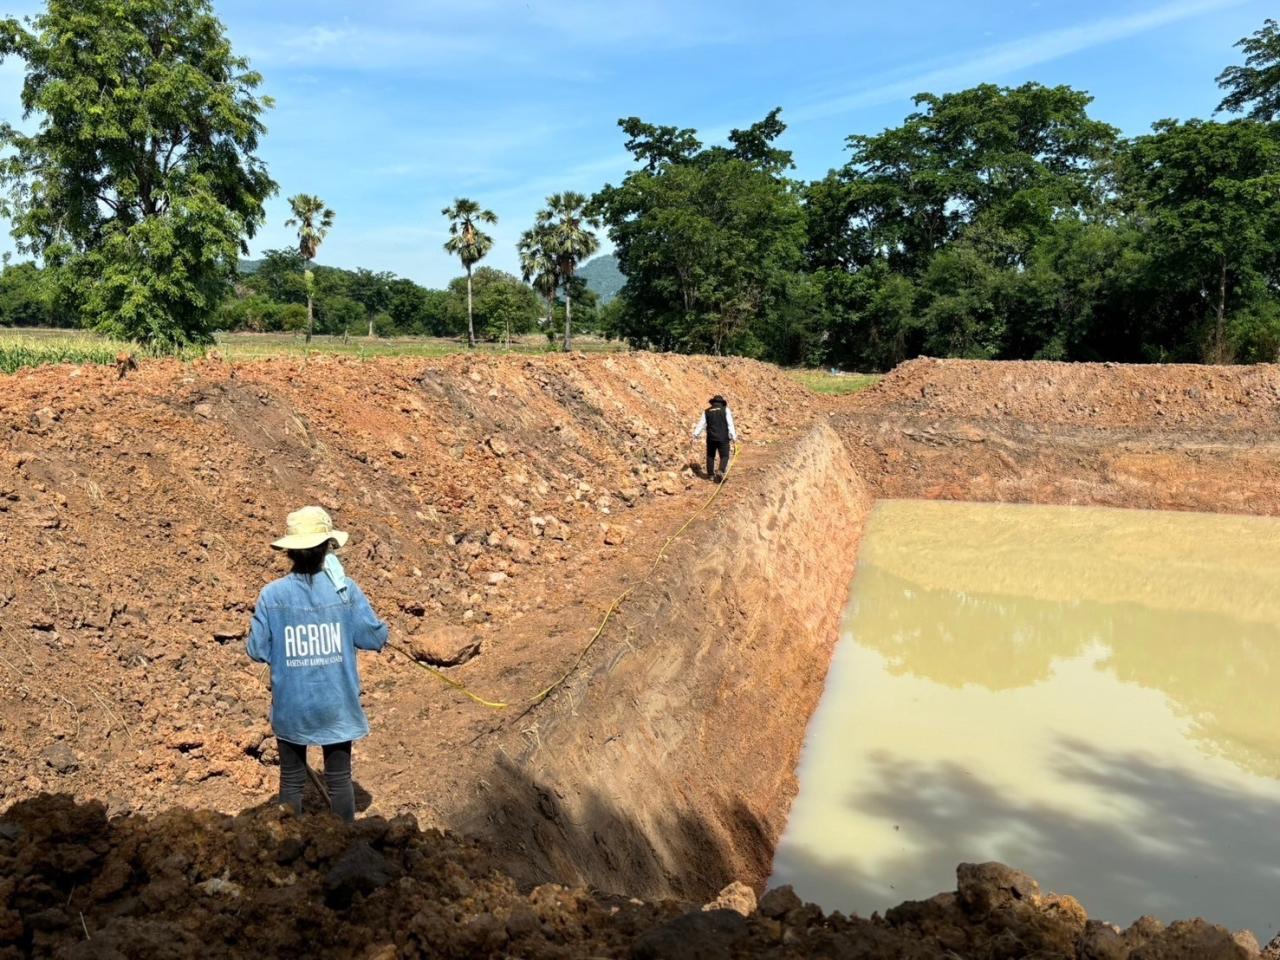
(391, 108)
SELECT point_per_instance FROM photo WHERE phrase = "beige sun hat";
(307, 528)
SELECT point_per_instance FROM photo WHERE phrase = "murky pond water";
(1089, 695)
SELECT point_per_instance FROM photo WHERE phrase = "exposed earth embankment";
(1156, 437)
(497, 508)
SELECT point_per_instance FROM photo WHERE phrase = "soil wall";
(667, 765)
(497, 508)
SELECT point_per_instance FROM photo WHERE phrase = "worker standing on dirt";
(308, 627)
(717, 423)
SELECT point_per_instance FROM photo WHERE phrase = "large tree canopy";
(710, 239)
(1207, 197)
(1010, 159)
(139, 182)
(1007, 223)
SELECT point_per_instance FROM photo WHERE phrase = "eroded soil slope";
(1179, 437)
(495, 506)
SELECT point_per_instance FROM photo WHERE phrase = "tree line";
(994, 222)
(270, 296)
(140, 187)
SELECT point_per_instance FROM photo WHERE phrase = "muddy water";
(1090, 695)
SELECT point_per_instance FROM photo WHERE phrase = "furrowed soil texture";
(497, 507)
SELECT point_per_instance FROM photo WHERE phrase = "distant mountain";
(603, 277)
(247, 268)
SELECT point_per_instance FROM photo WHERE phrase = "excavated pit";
(507, 502)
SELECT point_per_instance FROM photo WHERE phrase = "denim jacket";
(309, 633)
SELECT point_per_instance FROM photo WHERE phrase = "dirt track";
(504, 503)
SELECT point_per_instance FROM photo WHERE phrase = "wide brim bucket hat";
(307, 528)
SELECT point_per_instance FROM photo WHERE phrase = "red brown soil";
(1160, 437)
(134, 518)
(75, 884)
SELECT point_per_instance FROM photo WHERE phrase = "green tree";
(711, 241)
(655, 146)
(567, 233)
(341, 313)
(538, 266)
(26, 299)
(372, 291)
(255, 313)
(503, 305)
(586, 306)
(946, 213)
(414, 309)
(314, 221)
(611, 319)
(1015, 158)
(1207, 198)
(1255, 85)
(279, 277)
(469, 244)
(140, 183)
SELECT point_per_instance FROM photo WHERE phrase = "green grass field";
(34, 347)
(836, 385)
(19, 350)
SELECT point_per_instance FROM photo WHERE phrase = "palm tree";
(538, 267)
(313, 220)
(570, 239)
(470, 243)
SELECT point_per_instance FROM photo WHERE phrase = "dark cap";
(718, 401)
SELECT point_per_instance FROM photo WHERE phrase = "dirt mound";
(135, 515)
(1154, 437)
(267, 883)
(1086, 394)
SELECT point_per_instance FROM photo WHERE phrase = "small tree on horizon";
(568, 234)
(469, 244)
(314, 221)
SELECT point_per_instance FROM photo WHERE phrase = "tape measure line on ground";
(613, 608)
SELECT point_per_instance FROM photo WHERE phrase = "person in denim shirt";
(308, 627)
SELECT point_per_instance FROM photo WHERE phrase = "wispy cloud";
(537, 37)
(362, 47)
(648, 24)
(1010, 57)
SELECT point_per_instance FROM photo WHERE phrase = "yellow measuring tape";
(613, 607)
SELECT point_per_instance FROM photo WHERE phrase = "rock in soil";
(737, 897)
(61, 757)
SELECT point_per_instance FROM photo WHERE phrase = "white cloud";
(1013, 56)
